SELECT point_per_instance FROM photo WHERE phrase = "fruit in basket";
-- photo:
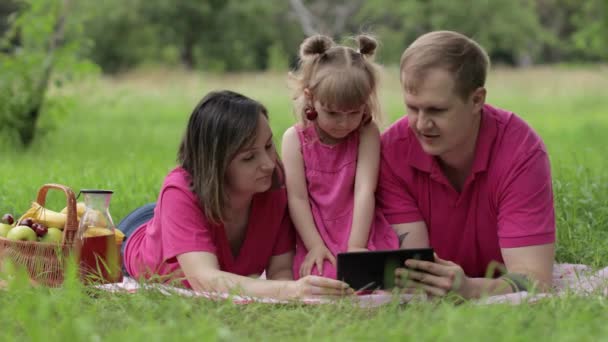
(40, 229)
(97, 231)
(8, 219)
(53, 235)
(80, 208)
(4, 228)
(28, 221)
(120, 236)
(45, 216)
(22, 233)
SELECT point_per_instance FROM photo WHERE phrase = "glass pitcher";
(98, 253)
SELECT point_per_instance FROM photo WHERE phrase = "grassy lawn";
(122, 134)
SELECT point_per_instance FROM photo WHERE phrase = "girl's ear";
(308, 94)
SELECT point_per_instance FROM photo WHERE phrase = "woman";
(221, 216)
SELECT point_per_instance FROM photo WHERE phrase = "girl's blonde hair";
(337, 75)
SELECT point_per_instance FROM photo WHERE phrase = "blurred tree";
(330, 18)
(26, 71)
(121, 36)
(591, 35)
(507, 29)
(233, 35)
(576, 30)
(185, 23)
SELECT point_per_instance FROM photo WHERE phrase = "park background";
(96, 94)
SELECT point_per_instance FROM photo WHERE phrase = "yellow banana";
(45, 216)
(80, 208)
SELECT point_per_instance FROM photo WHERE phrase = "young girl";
(221, 215)
(332, 156)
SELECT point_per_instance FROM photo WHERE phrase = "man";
(470, 180)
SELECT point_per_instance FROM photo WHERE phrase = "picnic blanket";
(567, 279)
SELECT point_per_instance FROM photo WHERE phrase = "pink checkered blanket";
(567, 279)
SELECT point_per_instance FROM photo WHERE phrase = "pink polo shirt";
(506, 201)
(180, 226)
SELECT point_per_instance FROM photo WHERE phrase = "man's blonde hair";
(459, 55)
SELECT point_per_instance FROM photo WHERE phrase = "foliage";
(236, 35)
(28, 65)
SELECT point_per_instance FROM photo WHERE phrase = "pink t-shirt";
(506, 201)
(180, 226)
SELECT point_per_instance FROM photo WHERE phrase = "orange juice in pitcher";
(98, 251)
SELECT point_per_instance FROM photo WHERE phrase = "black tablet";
(371, 270)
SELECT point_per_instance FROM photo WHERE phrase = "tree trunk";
(187, 55)
(28, 130)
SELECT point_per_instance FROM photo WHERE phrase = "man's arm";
(412, 235)
(527, 268)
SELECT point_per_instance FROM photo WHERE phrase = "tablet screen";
(376, 269)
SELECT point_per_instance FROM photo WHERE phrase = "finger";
(415, 287)
(429, 267)
(328, 283)
(430, 279)
(332, 259)
(306, 268)
(442, 261)
(319, 263)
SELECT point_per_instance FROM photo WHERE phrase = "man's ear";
(478, 98)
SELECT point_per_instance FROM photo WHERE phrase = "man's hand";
(434, 278)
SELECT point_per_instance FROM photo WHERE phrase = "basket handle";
(71, 224)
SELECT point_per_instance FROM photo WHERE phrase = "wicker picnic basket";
(44, 262)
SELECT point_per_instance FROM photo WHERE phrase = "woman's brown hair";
(220, 125)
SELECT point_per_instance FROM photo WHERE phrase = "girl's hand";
(316, 256)
(434, 278)
(316, 286)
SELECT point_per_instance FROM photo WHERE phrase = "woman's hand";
(434, 278)
(316, 286)
(316, 256)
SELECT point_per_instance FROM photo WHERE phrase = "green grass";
(122, 134)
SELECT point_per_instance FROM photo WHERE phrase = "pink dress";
(330, 181)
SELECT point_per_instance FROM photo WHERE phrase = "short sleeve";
(183, 224)
(286, 240)
(393, 196)
(526, 215)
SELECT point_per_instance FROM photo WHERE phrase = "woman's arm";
(297, 194)
(202, 272)
(366, 179)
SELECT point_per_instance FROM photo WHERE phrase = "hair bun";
(315, 45)
(367, 44)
